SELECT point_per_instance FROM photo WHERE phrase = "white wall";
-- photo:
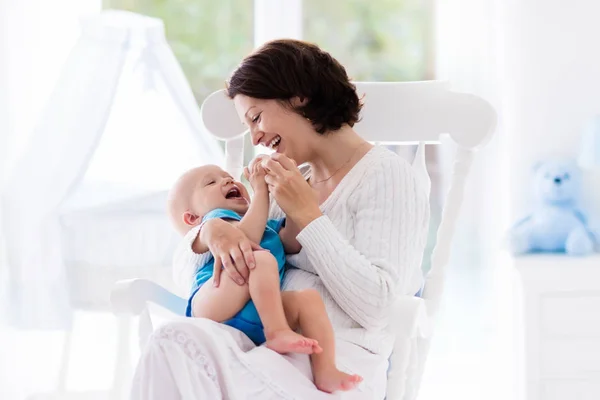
(538, 62)
(552, 67)
(553, 78)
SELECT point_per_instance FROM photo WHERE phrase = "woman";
(361, 217)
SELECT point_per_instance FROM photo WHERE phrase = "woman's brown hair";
(285, 69)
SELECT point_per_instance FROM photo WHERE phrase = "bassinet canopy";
(120, 126)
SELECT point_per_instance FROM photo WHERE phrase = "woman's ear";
(191, 219)
(299, 101)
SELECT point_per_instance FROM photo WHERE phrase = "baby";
(258, 308)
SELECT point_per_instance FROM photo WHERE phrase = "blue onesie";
(247, 320)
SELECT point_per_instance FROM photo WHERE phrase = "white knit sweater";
(361, 254)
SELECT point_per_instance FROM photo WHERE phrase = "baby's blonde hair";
(179, 199)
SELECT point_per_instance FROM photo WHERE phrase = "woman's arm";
(224, 241)
(288, 234)
(186, 260)
(365, 275)
(231, 246)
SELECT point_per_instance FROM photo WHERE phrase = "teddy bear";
(556, 224)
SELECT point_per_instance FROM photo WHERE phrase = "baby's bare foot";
(288, 341)
(334, 380)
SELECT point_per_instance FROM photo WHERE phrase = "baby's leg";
(220, 303)
(305, 309)
(265, 293)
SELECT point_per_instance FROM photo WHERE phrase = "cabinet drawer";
(570, 315)
(570, 359)
(570, 390)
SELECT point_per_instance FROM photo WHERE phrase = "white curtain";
(63, 144)
(4, 101)
(469, 54)
(35, 39)
(469, 353)
(4, 134)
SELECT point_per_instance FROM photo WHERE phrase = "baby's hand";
(256, 161)
(255, 174)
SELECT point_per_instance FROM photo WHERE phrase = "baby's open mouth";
(233, 193)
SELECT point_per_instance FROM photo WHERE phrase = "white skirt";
(197, 359)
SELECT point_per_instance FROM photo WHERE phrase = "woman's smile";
(274, 143)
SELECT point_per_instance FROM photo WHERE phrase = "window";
(384, 40)
(376, 40)
(209, 38)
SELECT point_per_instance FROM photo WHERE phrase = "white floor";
(31, 361)
(471, 357)
(473, 354)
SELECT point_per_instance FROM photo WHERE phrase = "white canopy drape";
(111, 94)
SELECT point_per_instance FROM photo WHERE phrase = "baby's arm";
(288, 234)
(253, 224)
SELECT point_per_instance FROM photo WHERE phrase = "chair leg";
(64, 362)
(123, 360)
(145, 328)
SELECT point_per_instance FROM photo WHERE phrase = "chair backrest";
(395, 113)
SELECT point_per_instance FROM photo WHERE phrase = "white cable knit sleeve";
(186, 261)
(365, 274)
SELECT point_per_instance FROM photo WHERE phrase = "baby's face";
(215, 188)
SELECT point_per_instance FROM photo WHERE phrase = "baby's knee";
(264, 258)
(311, 296)
(301, 301)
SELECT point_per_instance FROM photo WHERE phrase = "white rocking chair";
(412, 112)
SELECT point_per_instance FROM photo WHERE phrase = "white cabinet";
(560, 326)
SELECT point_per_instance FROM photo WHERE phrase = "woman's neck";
(336, 151)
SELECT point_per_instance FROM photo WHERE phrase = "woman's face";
(277, 127)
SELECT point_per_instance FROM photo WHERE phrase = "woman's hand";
(290, 190)
(231, 250)
(257, 160)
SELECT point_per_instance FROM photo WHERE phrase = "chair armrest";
(131, 297)
(410, 318)
(411, 325)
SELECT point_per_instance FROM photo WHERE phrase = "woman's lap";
(198, 359)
